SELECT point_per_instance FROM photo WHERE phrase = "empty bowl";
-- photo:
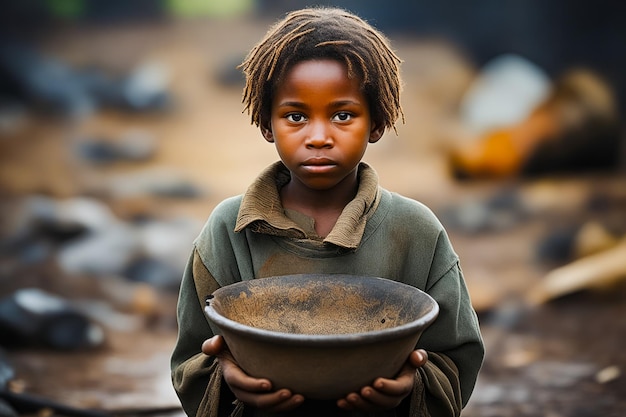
(321, 335)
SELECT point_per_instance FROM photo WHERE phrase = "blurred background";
(121, 127)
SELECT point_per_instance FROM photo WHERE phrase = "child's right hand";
(255, 392)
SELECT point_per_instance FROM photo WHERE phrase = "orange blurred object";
(579, 100)
(502, 152)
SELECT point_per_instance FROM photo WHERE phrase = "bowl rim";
(415, 327)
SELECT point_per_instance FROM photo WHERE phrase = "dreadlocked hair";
(324, 33)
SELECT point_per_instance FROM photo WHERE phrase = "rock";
(169, 240)
(145, 88)
(161, 182)
(134, 146)
(77, 213)
(558, 246)
(40, 224)
(43, 82)
(106, 252)
(503, 210)
(33, 317)
(154, 272)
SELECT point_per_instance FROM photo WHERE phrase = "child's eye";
(295, 117)
(342, 117)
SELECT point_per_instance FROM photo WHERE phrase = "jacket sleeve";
(455, 350)
(196, 377)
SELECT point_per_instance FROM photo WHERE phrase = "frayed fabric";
(440, 379)
(418, 398)
(210, 404)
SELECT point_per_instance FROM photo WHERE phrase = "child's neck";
(323, 206)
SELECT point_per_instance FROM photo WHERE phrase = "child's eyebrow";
(292, 104)
(338, 103)
(341, 103)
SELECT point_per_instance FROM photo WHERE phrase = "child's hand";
(255, 392)
(385, 394)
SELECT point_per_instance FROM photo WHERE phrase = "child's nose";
(319, 136)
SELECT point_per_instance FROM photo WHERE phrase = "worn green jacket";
(379, 234)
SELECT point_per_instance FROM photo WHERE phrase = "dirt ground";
(550, 361)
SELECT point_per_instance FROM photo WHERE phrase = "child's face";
(320, 123)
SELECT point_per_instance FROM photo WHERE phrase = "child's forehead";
(317, 70)
(321, 81)
(319, 63)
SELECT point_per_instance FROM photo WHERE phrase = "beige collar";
(262, 211)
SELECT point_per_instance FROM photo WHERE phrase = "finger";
(279, 401)
(400, 385)
(213, 346)
(354, 401)
(389, 398)
(344, 404)
(418, 358)
(262, 400)
(239, 381)
(287, 405)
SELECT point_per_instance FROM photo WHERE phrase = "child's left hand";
(385, 394)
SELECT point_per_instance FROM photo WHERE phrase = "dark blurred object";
(7, 373)
(32, 317)
(38, 225)
(132, 146)
(229, 73)
(558, 246)
(6, 410)
(501, 211)
(48, 84)
(160, 182)
(29, 77)
(156, 272)
(590, 135)
(575, 241)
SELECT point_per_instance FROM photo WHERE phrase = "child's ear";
(376, 132)
(266, 131)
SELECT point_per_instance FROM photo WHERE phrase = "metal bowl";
(322, 336)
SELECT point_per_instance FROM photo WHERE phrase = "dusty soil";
(552, 360)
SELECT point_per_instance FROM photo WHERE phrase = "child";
(321, 85)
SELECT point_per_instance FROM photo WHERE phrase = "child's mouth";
(318, 165)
